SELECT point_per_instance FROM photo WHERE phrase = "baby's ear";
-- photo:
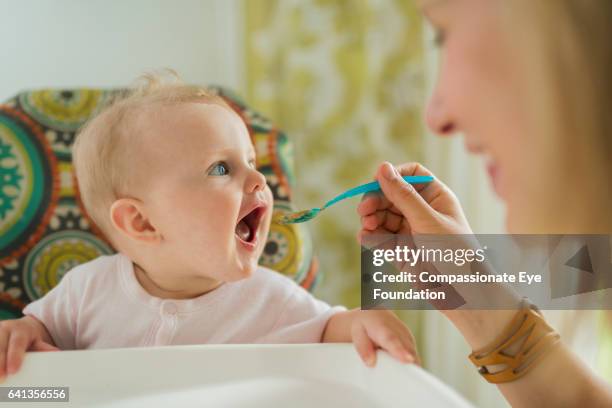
(129, 219)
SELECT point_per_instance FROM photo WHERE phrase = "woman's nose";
(256, 181)
(437, 118)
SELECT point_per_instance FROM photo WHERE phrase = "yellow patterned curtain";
(345, 80)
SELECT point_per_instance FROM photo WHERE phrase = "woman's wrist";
(487, 309)
(480, 327)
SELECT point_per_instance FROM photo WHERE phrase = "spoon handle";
(374, 186)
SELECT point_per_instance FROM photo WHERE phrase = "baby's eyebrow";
(251, 154)
(223, 150)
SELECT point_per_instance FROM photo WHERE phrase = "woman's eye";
(219, 169)
(439, 38)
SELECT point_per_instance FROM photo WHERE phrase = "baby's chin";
(245, 262)
(240, 273)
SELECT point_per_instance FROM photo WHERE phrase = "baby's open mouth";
(247, 227)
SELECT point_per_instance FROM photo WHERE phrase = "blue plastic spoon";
(307, 215)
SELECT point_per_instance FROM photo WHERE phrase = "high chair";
(44, 230)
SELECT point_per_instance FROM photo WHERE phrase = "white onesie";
(101, 304)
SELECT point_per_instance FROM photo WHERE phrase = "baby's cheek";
(265, 225)
(268, 196)
(215, 219)
(270, 205)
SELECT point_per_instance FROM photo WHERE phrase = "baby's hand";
(17, 337)
(372, 329)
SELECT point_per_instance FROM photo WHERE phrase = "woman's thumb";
(403, 195)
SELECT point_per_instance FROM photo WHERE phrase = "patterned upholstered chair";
(44, 231)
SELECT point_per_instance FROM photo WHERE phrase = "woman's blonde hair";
(109, 143)
(565, 46)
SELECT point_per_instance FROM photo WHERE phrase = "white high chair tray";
(252, 376)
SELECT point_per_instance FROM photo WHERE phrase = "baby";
(168, 174)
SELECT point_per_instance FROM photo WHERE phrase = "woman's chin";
(524, 222)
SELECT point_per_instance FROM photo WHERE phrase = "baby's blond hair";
(107, 144)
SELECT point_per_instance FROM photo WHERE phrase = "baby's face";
(202, 191)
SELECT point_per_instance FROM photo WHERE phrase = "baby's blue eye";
(219, 169)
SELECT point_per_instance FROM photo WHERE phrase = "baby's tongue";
(243, 231)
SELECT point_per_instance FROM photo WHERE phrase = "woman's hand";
(432, 211)
(430, 208)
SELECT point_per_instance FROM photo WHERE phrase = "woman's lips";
(493, 171)
(490, 164)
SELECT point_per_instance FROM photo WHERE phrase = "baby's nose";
(256, 181)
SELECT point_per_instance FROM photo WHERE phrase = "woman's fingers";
(374, 238)
(375, 201)
(382, 219)
(404, 209)
(403, 195)
(417, 169)
(430, 193)
(378, 212)
(372, 202)
(427, 190)
(364, 346)
(371, 222)
(393, 222)
(367, 205)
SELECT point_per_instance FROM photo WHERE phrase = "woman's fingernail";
(389, 171)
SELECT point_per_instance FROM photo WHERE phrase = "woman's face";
(479, 94)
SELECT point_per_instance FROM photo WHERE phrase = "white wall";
(96, 43)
